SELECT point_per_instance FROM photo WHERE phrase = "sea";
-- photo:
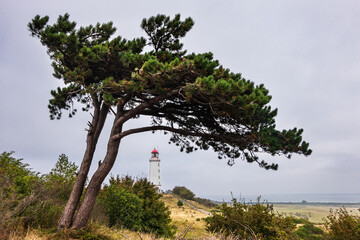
(291, 198)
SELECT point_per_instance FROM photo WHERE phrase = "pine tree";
(202, 104)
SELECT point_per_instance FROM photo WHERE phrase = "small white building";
(154, 170)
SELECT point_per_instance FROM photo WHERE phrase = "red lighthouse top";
(155, 154)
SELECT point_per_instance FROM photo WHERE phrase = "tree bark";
(94, 186)
(96, 127)
(99, 176)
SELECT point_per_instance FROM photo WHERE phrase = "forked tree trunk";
(94, 186)
(83, 214)
(96, 126)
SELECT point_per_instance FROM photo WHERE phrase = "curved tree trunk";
(71, 205)
(99, 176)
(94, 186)
(95, 129)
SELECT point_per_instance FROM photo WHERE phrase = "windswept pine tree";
(191, 96)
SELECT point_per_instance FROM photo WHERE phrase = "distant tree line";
(189, 195)
(183, 192)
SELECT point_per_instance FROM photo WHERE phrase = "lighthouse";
(154, 170)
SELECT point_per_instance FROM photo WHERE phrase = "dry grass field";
(185, 216)
(315, 213)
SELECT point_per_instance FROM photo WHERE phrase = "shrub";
(60, 181)
(342, 225)
(300, 220)
(15, 176)
(309, 232)
(180, 203)
(250, 221)
(18, 188)
(122, 207)
(205, 202)
(26, 198)
(56, 188)
(154, 216)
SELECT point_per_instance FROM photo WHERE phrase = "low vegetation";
(342, 224)
(185, 193)
(308, 231)
(180, 203)
(28, 199)
(314, 212)
(136, 205)
(127, 208)
(186, 219)
(253, 221)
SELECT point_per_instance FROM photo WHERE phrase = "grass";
(91, 232)
(315, 213)
(185, 216)
(189, 223)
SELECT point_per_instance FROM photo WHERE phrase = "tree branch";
(165, 128)
(139, 108)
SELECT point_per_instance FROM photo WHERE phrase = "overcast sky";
(307, 53)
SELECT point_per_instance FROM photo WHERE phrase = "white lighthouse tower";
(154, 171)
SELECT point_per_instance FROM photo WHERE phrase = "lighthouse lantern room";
(154, 170)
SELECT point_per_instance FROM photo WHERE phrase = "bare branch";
(137, 110)
(74, 92)
(166, 128)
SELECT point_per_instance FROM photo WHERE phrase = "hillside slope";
(185, 217)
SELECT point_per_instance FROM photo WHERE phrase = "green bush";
(250, 221)
(28, 199)
(56, 188)
(205, 202)
(60, 180)
(300, 220)
(343, 225)
(154, 216)
(180, 203)
(122, 207)
(309, 232)
(19, 187)
(15, 176)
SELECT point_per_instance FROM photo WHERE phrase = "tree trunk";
(96, 126)
(94, 186)
(99, 176)
(71, 205)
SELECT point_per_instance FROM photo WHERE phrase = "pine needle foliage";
(200, 102)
